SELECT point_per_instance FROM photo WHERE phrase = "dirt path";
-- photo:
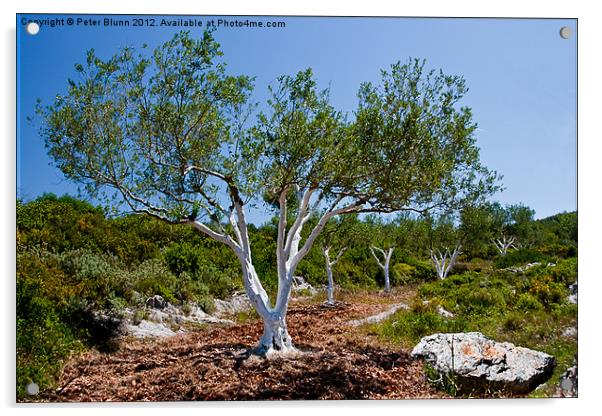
(338, 362)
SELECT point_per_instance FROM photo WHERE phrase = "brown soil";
(336, 361)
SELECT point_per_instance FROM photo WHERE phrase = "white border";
(588, 196)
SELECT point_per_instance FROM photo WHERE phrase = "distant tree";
(511, 226)
(383, 241)
(446, 243)
(338, 234)
(169, 135)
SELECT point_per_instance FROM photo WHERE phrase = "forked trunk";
(275, 333)
(384, 264)
(444, 262)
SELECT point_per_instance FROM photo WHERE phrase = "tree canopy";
(173, 135)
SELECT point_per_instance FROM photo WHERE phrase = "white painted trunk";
(444, 262)
(384, 264)
(387, 279)
(288, 255)
(504, 244)
(330, 288)
(275, 333)
(329, 264)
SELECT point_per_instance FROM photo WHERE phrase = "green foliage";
(403, 272)
(44, 342)
(167, 133)
(153, 277)
(528, 309)
(565, 271)
(409, 327)
(527, 302)
(520, 258)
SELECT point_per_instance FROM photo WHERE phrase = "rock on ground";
(237, 303)
(156, 302)
(300, 285)
(162, 316)
(380, 316)
(480, 364)
(150, 329)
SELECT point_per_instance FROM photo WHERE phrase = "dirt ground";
(336, 361)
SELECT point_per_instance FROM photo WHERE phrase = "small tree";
(384, 263)
(169, 136)
(445, 245)
(383, 241)
(339, 234)
(512, 226)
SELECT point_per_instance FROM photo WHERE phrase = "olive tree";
(168, 134)
(383, 242)
(445, 243)
(512, 226)
(338, 235)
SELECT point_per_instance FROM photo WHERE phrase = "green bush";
(483, 302)
(412, 326)
(153, 277)
(528, 302)
(43, 341)
(565, 271)
(521, 257)
(191, 289)
(423, 270)
(97, 275)
(403, 273)
(546, 290)
(513, 322)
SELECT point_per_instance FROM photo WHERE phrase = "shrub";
(513, 321)
(191, 289)
(98, 276)
(520, 257)
(403, 273)
(423, 270)
(153, 277)
(410, 327)
(528, 302)
(546, 290)
(484, 301)
(43, 341)
(565, 271)
(558, 250)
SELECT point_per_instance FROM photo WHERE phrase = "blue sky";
(521, 76)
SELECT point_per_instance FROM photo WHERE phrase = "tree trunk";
(504, 244)
(330, 289)
(444, 262)
(329, 264)
(275, 334)
(384, 264)
(387, 280)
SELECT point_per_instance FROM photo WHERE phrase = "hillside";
(79, 270)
